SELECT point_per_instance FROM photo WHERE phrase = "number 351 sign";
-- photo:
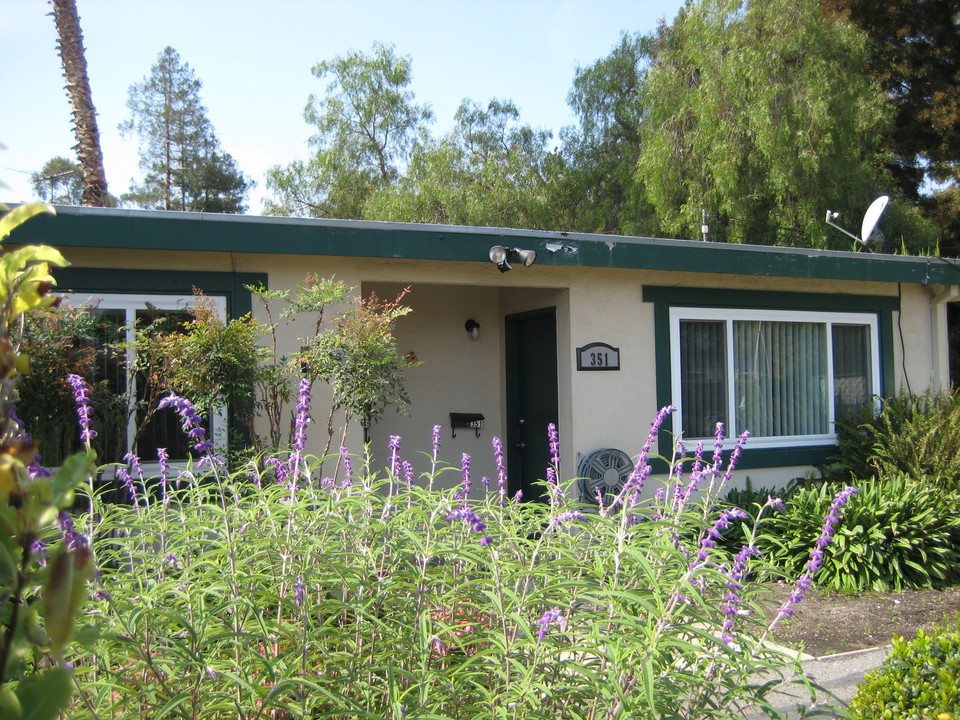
(598, 356)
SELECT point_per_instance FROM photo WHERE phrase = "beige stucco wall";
(460, 374)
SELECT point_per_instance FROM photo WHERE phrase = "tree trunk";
(70, 49)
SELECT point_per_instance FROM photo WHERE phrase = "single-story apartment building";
(595, 333)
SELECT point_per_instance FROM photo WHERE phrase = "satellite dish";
(870, 219)
(872, 216)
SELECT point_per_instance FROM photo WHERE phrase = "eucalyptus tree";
(490, 169)
(600, 188)
(761, 115)
(184, 166)
(366, 124)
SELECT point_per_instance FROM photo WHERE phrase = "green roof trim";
(200, 232)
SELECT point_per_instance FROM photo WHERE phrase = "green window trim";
(663, 298)
(230, 285)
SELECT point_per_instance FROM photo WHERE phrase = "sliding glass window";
(785, 376)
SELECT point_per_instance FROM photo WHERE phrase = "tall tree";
(491, 169)
(185, 169)
(600, 187)
(366, 125)
(762, 115)
(74, 59)
(915, 56)
(60, 181)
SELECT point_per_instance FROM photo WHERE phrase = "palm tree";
(70, 49)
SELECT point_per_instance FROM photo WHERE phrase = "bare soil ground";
(826, 623)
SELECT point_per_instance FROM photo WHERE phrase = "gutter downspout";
(940, 338)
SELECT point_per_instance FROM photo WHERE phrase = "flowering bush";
(374, 595)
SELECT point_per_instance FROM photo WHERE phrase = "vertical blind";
(780, 379)
(782, 383)
(703, 376)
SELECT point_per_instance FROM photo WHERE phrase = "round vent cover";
(604, 471)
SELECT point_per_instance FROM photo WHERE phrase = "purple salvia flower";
(407, 472)
(718, 445)
(485, 482)
(72, 538)
(163, 458)
(568, 516)
(190, 420)
(299, 592)
(661, 498)
(36, 470)
(734, 587)
(171, 560)
(279, 469)
(641, 468)
(470, 517)
(394, 446)
(133, 462)
(347, 468)
(81, 395)
(464, 491)
(38, 548)
(255, 474)
(300, 421)
(735, 455)
(302, 417)
(554, 444)
(815, 560)
(709, 539)
(697, 458)
(501, 468)
(437, 429)
(124, 475)
(550, 617)
(518, 497)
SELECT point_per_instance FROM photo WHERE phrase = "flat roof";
(209, 232)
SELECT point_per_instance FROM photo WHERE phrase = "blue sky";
(254, 60)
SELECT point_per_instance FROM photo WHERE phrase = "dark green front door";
(531, 348)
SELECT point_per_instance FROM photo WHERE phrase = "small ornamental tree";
(215, 363)
(359, 359)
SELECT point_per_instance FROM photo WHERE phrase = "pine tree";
(184, 167)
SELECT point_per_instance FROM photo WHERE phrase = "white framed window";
(786, 376)
(119, 315)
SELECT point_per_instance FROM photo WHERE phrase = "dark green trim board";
(663, 298)
(91, 281)
(199, 232)
(768, 299)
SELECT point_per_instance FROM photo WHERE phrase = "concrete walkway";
(838, 675)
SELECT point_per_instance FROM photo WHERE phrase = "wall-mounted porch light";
(472, 327)
(502, 257)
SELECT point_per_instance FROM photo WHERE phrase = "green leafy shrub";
(373, 595)
(913, 435)
(920, 679)
(895, 534)
(752, 501)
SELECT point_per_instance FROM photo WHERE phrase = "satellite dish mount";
(870, 219)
